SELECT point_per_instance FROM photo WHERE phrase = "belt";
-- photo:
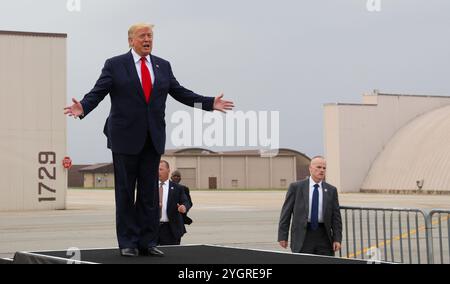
(163, 223)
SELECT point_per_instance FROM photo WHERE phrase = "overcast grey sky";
(290, 56)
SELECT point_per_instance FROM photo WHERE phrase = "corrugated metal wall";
(418, 153)
(32, 124)
(355, 134)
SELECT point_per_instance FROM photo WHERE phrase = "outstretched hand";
(75, 110)
(222, 105)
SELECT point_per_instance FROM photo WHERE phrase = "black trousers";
(166, 236)
(317, 242)
(137, 200)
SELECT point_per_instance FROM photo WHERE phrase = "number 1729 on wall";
(46, 174)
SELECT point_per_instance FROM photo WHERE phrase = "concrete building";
(75, 178)
(205, 169)
(389, 143)
(98, 176)
(32, 123)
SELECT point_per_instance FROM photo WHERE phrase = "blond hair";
(134, 27)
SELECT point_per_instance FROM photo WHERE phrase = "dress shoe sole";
(128, 255)
(156, 255)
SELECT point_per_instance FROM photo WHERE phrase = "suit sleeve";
(184, 199)
(188, 195)
(336, 220)
(186, 96)
(286, 214)
(101, 89)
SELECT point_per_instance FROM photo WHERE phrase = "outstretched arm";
(94, 97)
(188, 97)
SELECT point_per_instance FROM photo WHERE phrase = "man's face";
(142, 41)
(317, 169)
(176, 178)
(163, 172)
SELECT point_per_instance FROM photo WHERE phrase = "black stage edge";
(6, 261)
(185, 254)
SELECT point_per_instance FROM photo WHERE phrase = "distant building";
(205, 169)
(389, 143)
(98, 176)
(75, 176)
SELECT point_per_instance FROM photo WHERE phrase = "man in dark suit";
(173, 203)
(176, 178)
(313, 206)
(138, 83)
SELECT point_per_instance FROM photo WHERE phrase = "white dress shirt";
(311, 191)
(164, 216)
(137, 63)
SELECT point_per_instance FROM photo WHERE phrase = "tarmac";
(247, 219)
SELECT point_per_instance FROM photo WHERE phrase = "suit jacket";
(186, 219)
(131, 118)
(176, 195)
(296, 206)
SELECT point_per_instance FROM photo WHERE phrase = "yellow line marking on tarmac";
(396, 238)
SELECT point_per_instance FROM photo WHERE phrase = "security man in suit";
(313, 206)
(176, 178)
(138, 84)
(173, 203)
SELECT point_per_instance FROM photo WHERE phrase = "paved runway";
(246, 219)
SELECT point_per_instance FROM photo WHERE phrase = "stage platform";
(184, 254)
(6, 261)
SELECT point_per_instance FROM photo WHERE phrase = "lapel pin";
(326, 190)
(157, 66)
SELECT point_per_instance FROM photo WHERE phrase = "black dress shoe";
(153, 251)
(129, 252)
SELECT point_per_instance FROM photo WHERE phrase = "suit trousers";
(317, 242)
(137, 200)
(166, 236)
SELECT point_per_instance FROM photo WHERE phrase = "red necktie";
(161, 197)
(161, 194)
(146, 79)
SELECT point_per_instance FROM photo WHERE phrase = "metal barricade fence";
(439, 224)
(388, 234)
